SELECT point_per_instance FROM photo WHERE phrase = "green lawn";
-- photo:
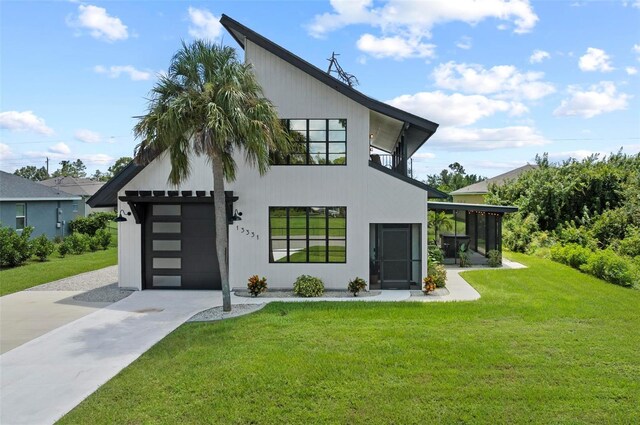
(543, 345)
(36, 273)
(317, 254)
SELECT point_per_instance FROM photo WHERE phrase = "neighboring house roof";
(73, 185)
(417, 129)
(449, 206)
(16, 188)
(482, 187)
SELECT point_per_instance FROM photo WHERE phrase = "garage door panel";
(180, 249)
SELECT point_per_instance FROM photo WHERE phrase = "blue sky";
(505, 79)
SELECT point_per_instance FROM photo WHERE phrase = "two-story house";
(330, 209)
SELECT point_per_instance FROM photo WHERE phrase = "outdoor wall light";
(120, 218)
(237, 215)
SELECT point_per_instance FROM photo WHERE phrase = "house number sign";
(247, 232)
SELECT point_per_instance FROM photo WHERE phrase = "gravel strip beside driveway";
(216, 313)
(82, 282)
(104, 294)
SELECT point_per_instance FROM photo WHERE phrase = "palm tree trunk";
(222, 238)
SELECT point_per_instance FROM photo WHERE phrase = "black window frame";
(307, 239)
(23, 217)
(308, 155)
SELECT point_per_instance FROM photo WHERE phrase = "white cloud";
(595, 60)
(24, 121)
(87, 136)
(117, 70)
(455, 109)
(60, 148)
(204, 24)
(100, 24)
(597, 99)
(5, 152)
(424, 155)
(419, 16)
(538, 56)
(464, 43)
(394, 47)
(631, 70)
(504, 81)
(479, 139)
(636, 49)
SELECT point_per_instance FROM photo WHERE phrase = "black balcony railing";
(388, 161)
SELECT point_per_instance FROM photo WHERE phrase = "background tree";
(210, 104)
(33, 173)
(118, 165)
(75, 169)
(452, 179)
(439, 220)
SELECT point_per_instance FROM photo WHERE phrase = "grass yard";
(36, 273)
(317, 254)
(543, 345)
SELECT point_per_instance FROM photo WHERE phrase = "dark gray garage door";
(180, 247)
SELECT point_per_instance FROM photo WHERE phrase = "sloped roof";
(73, 185)
(417, 129)
(483, 186)
(16, 188)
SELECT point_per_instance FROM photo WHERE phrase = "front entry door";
(395, 256)
(180, 247)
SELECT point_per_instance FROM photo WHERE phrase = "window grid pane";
(311, 235)
(316, 142)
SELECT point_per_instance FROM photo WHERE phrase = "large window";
(21, 216)
(316, 142)
(307, 234)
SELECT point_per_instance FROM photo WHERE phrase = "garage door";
(180, 247)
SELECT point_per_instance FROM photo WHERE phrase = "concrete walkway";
(48, 376)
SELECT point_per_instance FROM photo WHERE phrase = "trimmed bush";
(64, 248)
(42, 247)
(78, 243)
(256, 286)
(609, 266)
(15, 248)
(494, 258)
(571, 254)
(438, 273)
(104, 238)
(308, 286)
(91, 224)
(435, 254)
(94, 243)
(356, 285)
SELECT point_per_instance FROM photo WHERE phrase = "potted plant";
(356, 285)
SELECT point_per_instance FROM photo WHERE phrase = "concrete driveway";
(48, 376)
(27, 315)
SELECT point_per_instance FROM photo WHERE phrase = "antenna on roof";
(349, 79)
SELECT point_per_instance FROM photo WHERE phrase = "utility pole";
(47, 166)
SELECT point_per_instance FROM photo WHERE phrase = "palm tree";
(439, 220)
(210, 104)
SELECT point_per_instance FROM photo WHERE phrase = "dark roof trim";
(107, 195)
(448, 206)
(234, 27)
(432, 192)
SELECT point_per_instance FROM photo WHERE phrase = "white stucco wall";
(369, 195)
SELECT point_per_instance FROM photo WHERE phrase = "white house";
(332, 210)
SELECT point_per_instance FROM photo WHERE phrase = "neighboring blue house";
(26, 203)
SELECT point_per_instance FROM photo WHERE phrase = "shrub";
(609, 266)
(78, 243)
(609, 226)
(356, 285)
(435, 254)
(91, 224)
(42, 247)
(308, 286)
(94, 243)
(568, 233)
(438, 273)
(630, 245)
(571, 254)
(428, 285)
(465, 258)
(256, 286)
(494, 258)
(15, 248)
(539, 240)
(64, 248)
(104, 238)
(518, 231)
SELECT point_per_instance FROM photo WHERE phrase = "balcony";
(391, 162)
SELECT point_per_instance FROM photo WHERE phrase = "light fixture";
(236, 215)
(120, 218)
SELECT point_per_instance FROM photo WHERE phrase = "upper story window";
(316, 142)
(21, 216)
